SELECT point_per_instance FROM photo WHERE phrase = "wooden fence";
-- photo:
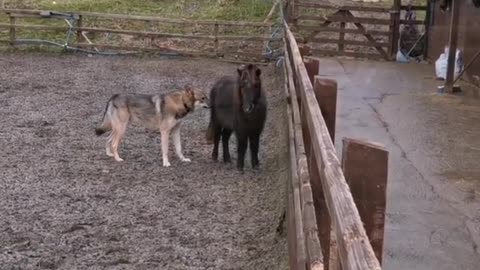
(374, 33)
(214, 38)
(335, 212)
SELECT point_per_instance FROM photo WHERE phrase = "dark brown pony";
(238, 105)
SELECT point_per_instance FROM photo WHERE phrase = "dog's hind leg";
(165, 134)
(178, 143)
(108, 145)
(118, 132)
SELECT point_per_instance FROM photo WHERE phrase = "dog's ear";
(188, 87)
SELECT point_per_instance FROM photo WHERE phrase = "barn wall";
(469, 37)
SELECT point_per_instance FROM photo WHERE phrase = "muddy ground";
(65, 205)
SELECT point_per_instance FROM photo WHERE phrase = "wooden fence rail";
(80, 27)
(319, 179)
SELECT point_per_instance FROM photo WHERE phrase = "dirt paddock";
(65, 205)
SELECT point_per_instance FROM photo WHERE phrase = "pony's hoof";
(186, 160)
(119, 159)
(240, 168)
(166, 164)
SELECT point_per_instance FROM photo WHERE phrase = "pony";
(238, 105)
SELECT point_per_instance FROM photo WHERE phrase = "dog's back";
(138, 108)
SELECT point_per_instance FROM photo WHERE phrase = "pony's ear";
(258, 72)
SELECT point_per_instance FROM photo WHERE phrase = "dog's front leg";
(178, 143)
(165, 134)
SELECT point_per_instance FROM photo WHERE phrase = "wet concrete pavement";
(433, 203)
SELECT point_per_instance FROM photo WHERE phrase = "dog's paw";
(186, 160)
(166, 164)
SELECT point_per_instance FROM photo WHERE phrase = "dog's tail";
(106, 121)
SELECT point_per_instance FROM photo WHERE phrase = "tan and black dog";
(160, 112)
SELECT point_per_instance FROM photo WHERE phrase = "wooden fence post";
(215, 33)
(452, 46)
(341, 43)
(12, 30)
(394, 27)
(368, 186)
(312, 66)
(326, 94)
(305, 50)
(79, 25)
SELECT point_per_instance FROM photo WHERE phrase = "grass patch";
(249, 10)
(233, 10)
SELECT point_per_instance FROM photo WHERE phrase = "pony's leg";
(254, 141)
(217, 133)
(226, 133)
(241, 150)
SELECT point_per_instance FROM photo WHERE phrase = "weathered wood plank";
(300, 245)
(414, 7)
(325, 52)
(327, 29)
(338, 18)
(368, 186)
(370, 43)
(314, 250)
(327, 5)
(355, 249)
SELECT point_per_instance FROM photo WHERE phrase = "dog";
(157, 112)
